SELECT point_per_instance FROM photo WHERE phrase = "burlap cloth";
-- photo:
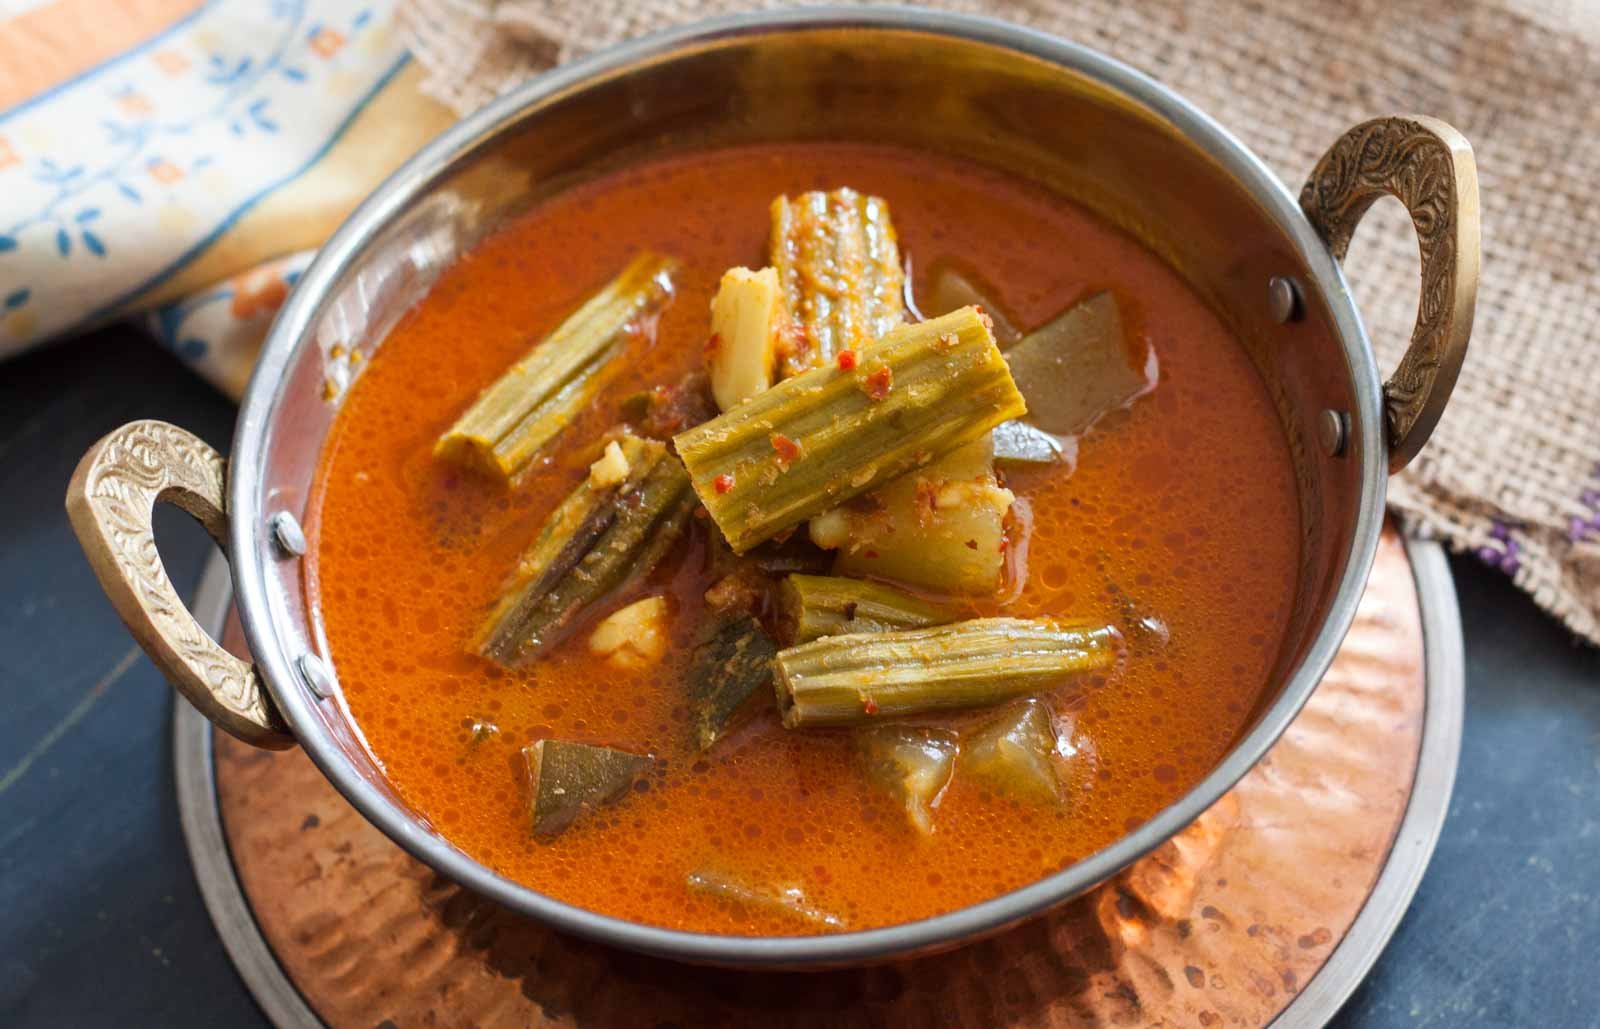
(1513, 471)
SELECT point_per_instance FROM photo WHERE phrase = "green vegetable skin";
(569, 780)
(1018, 443)
(1080, 366)
(810, 606)
(527, 407)
(912, 764)
(727, 669)
(839, 265)
(943, 383)
(598, 539)
(852, 680)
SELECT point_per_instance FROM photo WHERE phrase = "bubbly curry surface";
(1180, 507)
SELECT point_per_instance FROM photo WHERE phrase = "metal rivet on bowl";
(287, 534)
(315, 674)
(1283, 298)
(1333, 432)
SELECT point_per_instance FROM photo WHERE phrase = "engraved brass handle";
(1428, 165)
(110, 501)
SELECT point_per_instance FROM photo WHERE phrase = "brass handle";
(1428, 165)
(110, 501)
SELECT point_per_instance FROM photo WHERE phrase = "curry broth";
(1184, 502)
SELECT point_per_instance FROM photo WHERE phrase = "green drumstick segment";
(852, 680)
(513, 420)
(787, 901)
(728, 668)
(838, 262)
(612, 530)
(810, 606)
(816, 440)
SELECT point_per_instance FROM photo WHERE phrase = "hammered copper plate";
(1223, 925)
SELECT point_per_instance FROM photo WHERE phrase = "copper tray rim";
(1444, 678)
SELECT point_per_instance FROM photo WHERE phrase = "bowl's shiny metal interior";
(1049, 110)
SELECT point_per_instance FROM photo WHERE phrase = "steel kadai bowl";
(1053, 111)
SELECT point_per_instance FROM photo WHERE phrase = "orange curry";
(1184, 501)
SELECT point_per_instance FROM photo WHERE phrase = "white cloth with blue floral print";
(156, 179)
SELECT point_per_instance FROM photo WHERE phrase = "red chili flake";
(794, 340)
(878, 383)
(1003, 544)
(871, 553)
(847, 360)
(713, 343)
(869, 705)
(722, 483)
(972, 544)
(787, 449)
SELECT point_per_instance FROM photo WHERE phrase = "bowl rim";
(248, 537)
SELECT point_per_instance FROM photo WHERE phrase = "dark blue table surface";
(101, 922)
